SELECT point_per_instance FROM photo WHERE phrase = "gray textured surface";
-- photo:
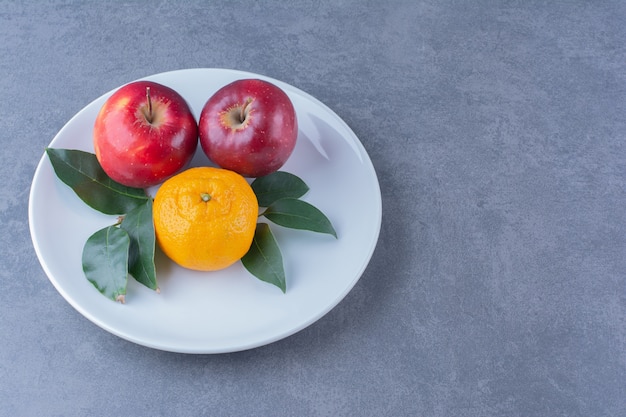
(498, 131)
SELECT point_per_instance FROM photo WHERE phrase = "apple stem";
(244, 110)
(149, 116)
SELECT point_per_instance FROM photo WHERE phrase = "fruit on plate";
(248, 126)
(205, 218)
(144, 133)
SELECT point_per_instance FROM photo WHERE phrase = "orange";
(205, 218)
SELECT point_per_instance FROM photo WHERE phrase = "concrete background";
(497, 130)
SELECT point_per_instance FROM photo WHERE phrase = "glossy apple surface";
(144, 133)
(248, 126)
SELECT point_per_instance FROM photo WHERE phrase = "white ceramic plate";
(228, 310)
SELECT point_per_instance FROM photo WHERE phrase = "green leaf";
(277, 185)
(138, 223)
(105, 261)
(82, 172)
(264, 259)
(298, 214)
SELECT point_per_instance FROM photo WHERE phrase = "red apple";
(144, 133)
(248, 126)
